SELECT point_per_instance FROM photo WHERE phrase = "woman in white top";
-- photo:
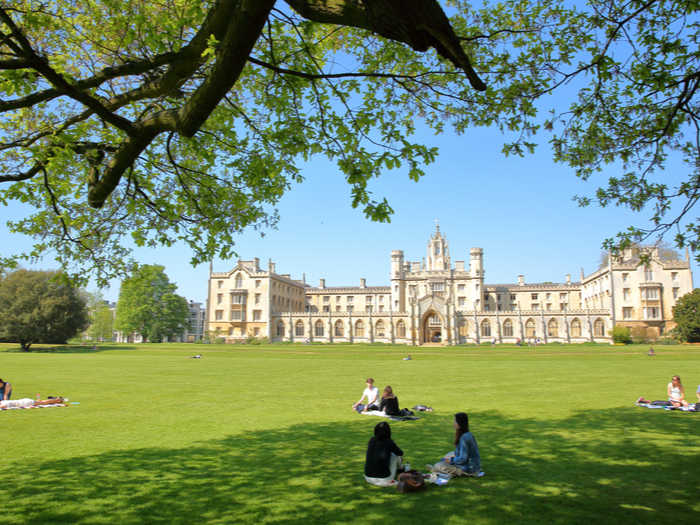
(676, 392)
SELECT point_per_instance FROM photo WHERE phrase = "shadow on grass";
(67, 349)
(622, 466)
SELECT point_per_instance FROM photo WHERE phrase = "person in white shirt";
(27, 402)
(371, 393)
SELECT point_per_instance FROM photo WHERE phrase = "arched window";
(507, 328)
(553, 328)
(485, 328)
(339, 329)
(318, 328)
(575, 327)
(239, 281)
(401, 329)
(280, 329)
(379, 328)
(530, 328)
(299, 328)
(359, 328)
(599, 328)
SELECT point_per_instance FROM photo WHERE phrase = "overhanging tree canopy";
(188, 119)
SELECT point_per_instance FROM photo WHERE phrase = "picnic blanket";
(393, 418)
(36, 406)
(689, 408)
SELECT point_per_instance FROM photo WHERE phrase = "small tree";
(40, 307)
(148, 305)
(621, 334)
(686, 314)
(101, 318)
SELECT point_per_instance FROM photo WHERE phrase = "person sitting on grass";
(384, 458)
(371, 393)
(28, 403)
(389, 403)
(465, 459)
(676, 392)
(5, 390)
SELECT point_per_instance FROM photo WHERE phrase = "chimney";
(521, 280)
(363, 283)
(257, 264)
(271, 266)
(322, 283)
(568, 278)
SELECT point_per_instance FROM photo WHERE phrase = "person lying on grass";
(676, 392)
(27, 402)
(384, 458)
(465, 459)
(370, 392)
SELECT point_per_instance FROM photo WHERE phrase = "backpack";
(410, 481)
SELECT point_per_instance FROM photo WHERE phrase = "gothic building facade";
(437, 302)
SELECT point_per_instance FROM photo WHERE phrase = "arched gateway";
(432, 328)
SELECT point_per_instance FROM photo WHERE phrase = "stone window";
(219, 298)
(507, 328)
(257, 315)
(299, 328)
(533, 296)
(257, 283)
(339, 328)
(280, 329)
(401, 329)
(257, 298)
(553, 328)
(359, 328)
(219, 315)
(318, 328)
(219, 284)
(627, 312)
(530, 328)
(575, 328)
(379, 328)
(675, 293)
(239, 281)
(485, 328)
(599, 328)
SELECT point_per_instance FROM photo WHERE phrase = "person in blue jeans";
(465, 459)
(5, 390)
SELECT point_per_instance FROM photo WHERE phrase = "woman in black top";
(383, 457)
(389, 403)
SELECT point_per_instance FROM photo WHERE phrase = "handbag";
(410, 481)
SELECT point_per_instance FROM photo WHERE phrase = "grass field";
(265, 434)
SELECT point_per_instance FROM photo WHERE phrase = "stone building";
(435, 301)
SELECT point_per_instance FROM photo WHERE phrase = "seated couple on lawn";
(384, 459)
(388, 403)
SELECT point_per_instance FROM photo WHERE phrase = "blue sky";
(519, 210)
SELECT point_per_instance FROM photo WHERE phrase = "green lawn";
(265, 434)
